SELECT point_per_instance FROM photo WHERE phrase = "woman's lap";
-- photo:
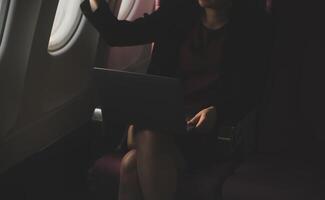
(198, 149)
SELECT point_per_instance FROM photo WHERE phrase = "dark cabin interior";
(287, 161)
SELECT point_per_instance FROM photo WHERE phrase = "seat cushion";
(205, 183)
(104, 176)
(277, 178)
(194, 184)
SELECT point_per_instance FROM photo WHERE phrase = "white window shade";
(125, 9)
(138, 57)
(67, 20)
(3, 13)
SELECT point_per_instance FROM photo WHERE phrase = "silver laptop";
(148, 101)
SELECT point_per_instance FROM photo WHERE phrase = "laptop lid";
(147, 100)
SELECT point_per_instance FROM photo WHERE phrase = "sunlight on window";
(3, 13)
(67, 19)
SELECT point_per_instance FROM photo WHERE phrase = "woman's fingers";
(130, 138)
(194, 120)
(204, 120)
(201, 121)
(198, 120)
(131, 129)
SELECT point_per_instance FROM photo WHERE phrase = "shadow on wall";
(294, 112)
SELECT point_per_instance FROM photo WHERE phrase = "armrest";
(109, 138)
(97, 115)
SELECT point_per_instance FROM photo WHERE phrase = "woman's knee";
(129, 162)
(152, 145)
(155, 144)
(153, 138)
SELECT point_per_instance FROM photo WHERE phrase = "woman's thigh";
(157, 143)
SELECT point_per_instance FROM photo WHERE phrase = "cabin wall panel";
(17, 42)
(52, 93)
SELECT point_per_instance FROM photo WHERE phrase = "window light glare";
(3, 14)
(66, 22)
(125, 9)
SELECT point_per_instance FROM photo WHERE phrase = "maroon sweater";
(200, 57)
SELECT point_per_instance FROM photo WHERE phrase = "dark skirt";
(198, 149)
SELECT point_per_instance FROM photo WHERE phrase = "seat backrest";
(138, 56)
(313, 82)
(292, 117)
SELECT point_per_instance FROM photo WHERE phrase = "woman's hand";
(205, 120)
(131, 137)
(94, 4)
(96, 1)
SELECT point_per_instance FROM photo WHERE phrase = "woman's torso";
(200, 58)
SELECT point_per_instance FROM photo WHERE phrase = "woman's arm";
(94, 4)
(121, 32)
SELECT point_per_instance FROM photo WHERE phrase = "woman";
(218, 49)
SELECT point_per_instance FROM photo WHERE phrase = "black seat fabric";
(277, 178)
(289, 163)
(200, 184)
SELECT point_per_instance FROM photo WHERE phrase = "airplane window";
(125, 9)
(3, 14)
(66, 22)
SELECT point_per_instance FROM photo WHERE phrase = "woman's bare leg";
(129, 188)
(158, 165)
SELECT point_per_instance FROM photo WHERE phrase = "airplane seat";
(103, 176)
(138, 56)
(206, 184)
(289, 161)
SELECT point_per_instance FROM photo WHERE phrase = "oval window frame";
(125, 9)
(64, 30)
(4, 8)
